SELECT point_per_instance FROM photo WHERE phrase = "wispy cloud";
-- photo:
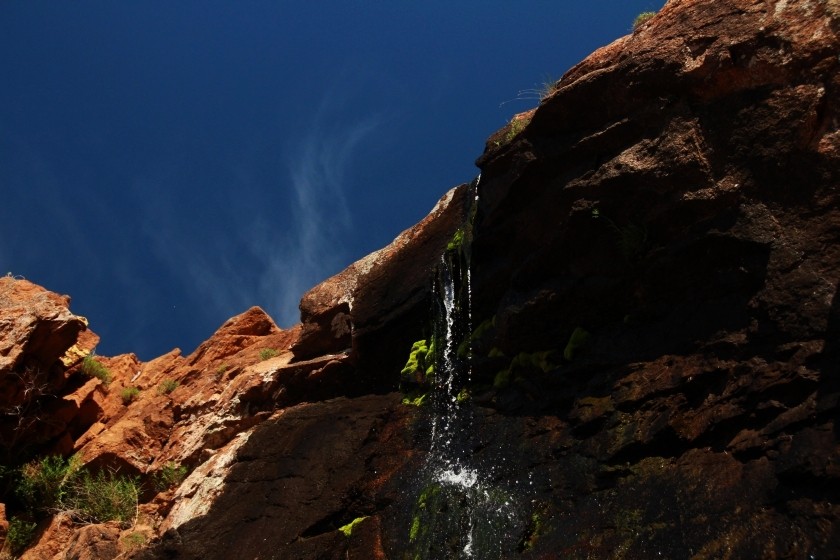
(322, 217)
(255, 258)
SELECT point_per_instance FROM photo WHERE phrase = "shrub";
(641, 19)
(105, 496)
(43, 484)
(171, 474)
(94, 368)
(129, 394)
(168, 385)
(19, 535)
(267, 353)
(54, 483)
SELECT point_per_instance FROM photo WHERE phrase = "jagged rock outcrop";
(654, 268)
(377, 303)
(39, 336)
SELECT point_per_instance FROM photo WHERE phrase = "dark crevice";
(665, 444)
(325, 525)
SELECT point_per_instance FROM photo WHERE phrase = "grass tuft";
(94, 368)
(642, 19)
(129, 395)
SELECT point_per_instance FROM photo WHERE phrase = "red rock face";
(675, 197)
(38, 334)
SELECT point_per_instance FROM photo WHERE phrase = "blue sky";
(170, 164)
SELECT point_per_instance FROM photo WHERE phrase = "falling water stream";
(463, 509)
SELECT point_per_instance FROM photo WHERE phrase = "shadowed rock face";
(655, 259)
(299, 477)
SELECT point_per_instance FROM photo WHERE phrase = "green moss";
(424, 502)
(415, 529)
(522, 364)
(502, 379)
(463, 395)
(481, 334)
(412, 399)
(577, 340)
(348, 529)
(457, 241)
(420, 364)
(536, 528)
(495, 353)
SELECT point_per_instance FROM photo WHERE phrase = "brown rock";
(268, 473)
(37, 333)
(52, 540)
(36, 326)
(382, 297)
(4, 525)
(94, 542)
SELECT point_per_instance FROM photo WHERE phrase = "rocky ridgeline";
(655, 255)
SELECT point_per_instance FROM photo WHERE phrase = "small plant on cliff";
(167, 386)
(577, 340)
(523, 365)
(171, 474)
(641, 19)
(44, 484)
(129, 395)
(348, 529)
(133, 541)
(19, 535)
(537, 93)
(94, 368)
(632, 239)
(55, 484)
(516, 126)
(267, 353)
(104, 496)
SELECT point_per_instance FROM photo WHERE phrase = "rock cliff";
(654, 257)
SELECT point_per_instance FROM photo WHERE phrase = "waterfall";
(461, 511)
